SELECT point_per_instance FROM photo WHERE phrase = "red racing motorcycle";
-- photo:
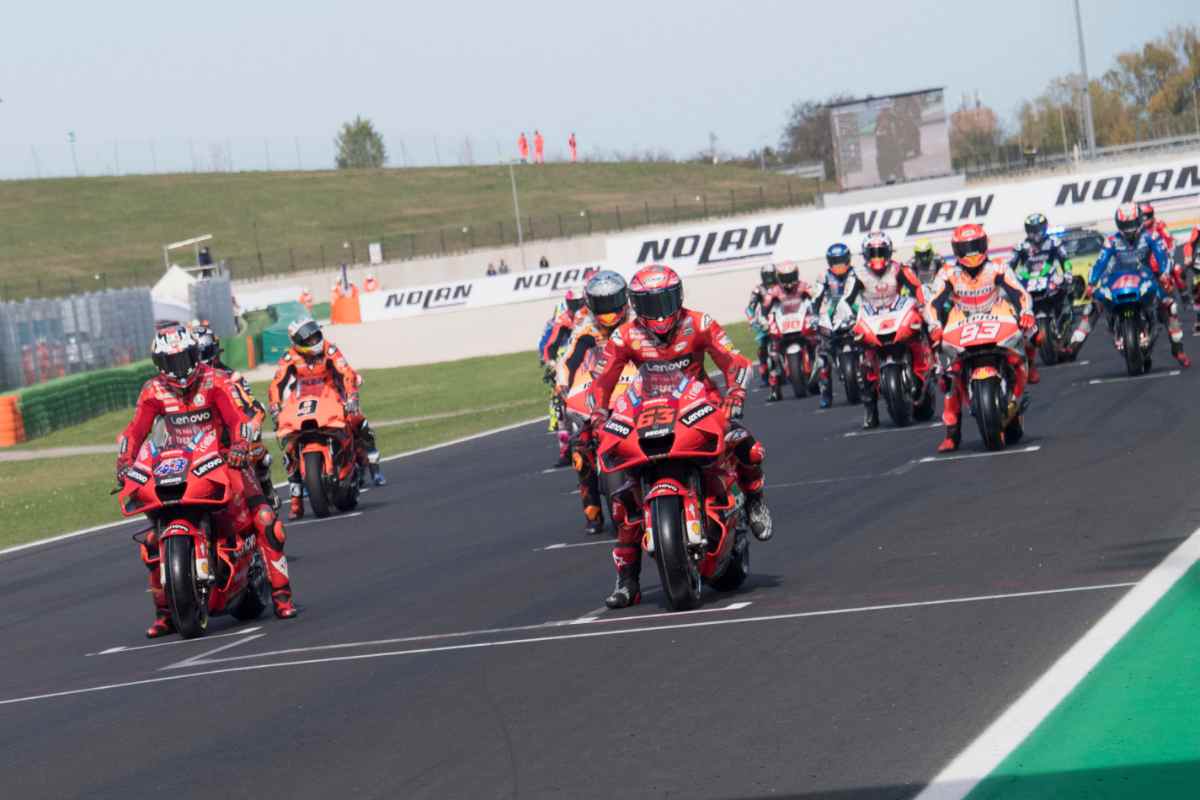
(668, 433)
(207, 555)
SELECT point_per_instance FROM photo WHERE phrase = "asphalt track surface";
(448, 648)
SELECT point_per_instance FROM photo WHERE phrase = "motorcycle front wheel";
(314, 466)
(1049, 346)
(189, 610)
(987, 401)
(796, 375)
(1131, 338)
(899, 404)
(850, 378)
(679, 576)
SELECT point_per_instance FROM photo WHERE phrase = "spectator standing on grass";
(539, 147)
(572, 147)
(491, 270)
(523, 148)
(503, 267)
(543, 262)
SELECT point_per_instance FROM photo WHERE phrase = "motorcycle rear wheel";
(1049, 346)
(1131, 329)
(679, 576)
(257, 597)
(987, 400)
(346, 497)
(314, 466)
(796, 375)
(899, 405)
(189, 610)
(738, 568)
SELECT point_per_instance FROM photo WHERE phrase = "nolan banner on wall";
(518, 287)
(1081, 199)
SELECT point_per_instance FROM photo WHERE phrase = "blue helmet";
(838, 257)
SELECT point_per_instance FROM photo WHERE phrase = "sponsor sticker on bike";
(618, 428)
(694, 416)
(137, 476)
(207, 466)
(170, 466)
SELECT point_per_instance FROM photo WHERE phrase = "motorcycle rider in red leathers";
(880, 284)
(664, 332)
(976, 283)
(788, 285)
(183, 391)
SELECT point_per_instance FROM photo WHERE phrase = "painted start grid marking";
(633, 626)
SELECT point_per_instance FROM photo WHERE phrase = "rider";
(789, 286)
(832, 287)
(665, 333)
(756, 318)
(880, 284)
(1131, 236)
(193, 398)
(309, 358)
(1154, 225)
(1190, 250)
(1036, 249)
(925, 262)
(554, 336)
(208, 346)
(607, 306)
(974, 283)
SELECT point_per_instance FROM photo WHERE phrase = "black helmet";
(607, 297)
(768, 275)
(1035, 227)
(208, 344)
(306, 336)
(789, 274)
(175, 355)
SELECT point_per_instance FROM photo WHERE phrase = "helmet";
(838, 258)
(1129, 222)
(306, 336)
(970, 243)
(656, 294)
(574, 301)
(877, 250)
(923, 254)
(767, 273)
(789, 275)
(1147, 210)
(208, 344)
(176, 356)
(1035, 227)
(607, 298)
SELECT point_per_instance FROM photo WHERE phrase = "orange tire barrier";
(12, 426)
(344, 308)
(251, 361)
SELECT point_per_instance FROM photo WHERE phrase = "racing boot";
(871, 415)
(595, 520)
(1180, 356)
(1034, 375)
(952, 440)
(628, 591)
(759, 516)
(284, 607)
(296, 490)
(163, 625)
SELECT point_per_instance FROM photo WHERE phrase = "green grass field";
(43, 497)
(75, 229)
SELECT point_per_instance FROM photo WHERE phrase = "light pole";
(74, 160)
(512, 177)
(1089, 125)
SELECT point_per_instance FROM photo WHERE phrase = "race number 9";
(979, 330)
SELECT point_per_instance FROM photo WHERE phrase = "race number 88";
(979, 330)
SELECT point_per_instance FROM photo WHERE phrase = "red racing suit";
(694, 336)
(882, 290)
(211, 401)
(777, 294)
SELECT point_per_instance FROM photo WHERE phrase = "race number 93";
(979, 330)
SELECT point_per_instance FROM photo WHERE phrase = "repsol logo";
(668, 366)
(1128, 186)
(552, 281)
(190, 417)
(440, 297)
(921, 218)
(700, 413)
(714, 247)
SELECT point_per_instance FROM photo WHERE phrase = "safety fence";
(68, 401)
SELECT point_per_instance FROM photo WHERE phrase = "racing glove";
(548, 374)
(598, 417)
(352, 406)
(732, 405)
(122, 471)
(1028, 323)
(274, 410)
(238, 455)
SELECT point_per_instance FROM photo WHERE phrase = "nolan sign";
(718, 246)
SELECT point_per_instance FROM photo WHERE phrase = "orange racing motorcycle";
(313, 426)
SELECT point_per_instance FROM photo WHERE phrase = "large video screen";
(890, 139)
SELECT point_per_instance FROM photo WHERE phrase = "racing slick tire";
(738, 568)
(849, 368)
(257, 597)
(314, 466)
(987, 401)
(796, 375)
(189, 609)
(1131, 329)
(677, 572)
(891, 386)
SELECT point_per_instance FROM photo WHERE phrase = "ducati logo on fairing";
(695, 416)
(619, 428)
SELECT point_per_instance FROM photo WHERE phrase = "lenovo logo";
(668, 366)
(190, 417)
(714, 247)
(695, 416)
(208, 466)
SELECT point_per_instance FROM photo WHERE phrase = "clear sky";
(271, 79)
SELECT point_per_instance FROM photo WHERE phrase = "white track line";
(83, 532)
(332, 518)
(564, 545)
(906, 429)
(123, 649)
(1033, 448)
(200, 657)
(1129, 378)
(545, 639)
(819, 481)
(1012, 727)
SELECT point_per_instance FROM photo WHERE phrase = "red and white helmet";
(877, 250)
(656, 294)
(1147, 210)
(1129, 221)
(175, 354)
(970, 244)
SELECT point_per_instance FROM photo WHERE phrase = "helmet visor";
(1130, 228)
(574, 304)
(659, 304)
(972, 252)
(789, 279)
(608, 303)
(178, 367)
(878, 252)
(307, 337)
(1035, 230)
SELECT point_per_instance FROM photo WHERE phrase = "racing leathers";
(586, 335)
(956, 286)
(1152, 254)
(831, 289)
(1190, 250)
(253, 411)
(1032, 257)
(776, 295)
(554, 336)
(209, 405)
(880, 290)
(756, 316)
(695, 335)
(328, 365)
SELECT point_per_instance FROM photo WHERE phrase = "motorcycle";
(1130, 295)
(1051, 292)
(837, 334)
(207, 558)
(793, 350)
(314, 418)
(668, 433)
(577, 416)
(885, 334)
(983, 341)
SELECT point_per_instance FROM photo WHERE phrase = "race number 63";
(979, 330)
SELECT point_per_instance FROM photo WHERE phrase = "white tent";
(170, 295)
